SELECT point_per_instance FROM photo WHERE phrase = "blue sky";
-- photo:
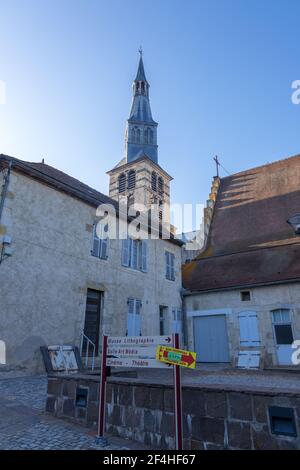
(220, 73)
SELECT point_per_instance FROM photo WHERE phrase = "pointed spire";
(141, 134)
(140, 76)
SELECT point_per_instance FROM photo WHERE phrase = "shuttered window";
(249, 335)
(170, 266)
(282, 326)
(100, 240)
(135, 254)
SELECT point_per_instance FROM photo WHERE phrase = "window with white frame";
(282, 324)
(249, 334)
(134, 317)
(100, 240)
(170, 266)
(135, 254)
(163, 320)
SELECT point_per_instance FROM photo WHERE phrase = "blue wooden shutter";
(168, 273)
(104, 241)
(144, 255)
(125, 251)
(249, 335)
(134, 254)
(172, 266)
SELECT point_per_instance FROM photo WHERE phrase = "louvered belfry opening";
(122, 183)
(131, 179)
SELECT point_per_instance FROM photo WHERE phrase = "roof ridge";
(244, 251)
(262, 166)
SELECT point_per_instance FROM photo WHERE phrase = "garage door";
(211, 340)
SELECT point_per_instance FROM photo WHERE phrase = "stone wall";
(214, 418)
(262, 301)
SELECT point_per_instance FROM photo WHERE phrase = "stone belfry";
(138, 176)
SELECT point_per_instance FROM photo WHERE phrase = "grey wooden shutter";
(104, 242)
(125, 251)
(96, 242)
(172, 266)
(167, 255)
(134, 260)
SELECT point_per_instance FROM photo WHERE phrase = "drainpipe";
(4, 189)
(184, 318)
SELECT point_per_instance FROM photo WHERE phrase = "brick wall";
(213, 418)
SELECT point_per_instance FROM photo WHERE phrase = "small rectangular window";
(81, 397)
(100, 240)
(282, 421)
(135, 254)
(245, 296)
(162, 320)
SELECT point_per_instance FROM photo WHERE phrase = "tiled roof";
(249, 240)
(59, 180)
(63, 182)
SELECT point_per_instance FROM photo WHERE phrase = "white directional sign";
(139, 340)
(136, 362)
(132, 351)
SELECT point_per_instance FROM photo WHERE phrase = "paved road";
(23, 424)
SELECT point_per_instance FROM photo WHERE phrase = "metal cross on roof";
(141, 51)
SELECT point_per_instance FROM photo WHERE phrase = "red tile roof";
(249, 240)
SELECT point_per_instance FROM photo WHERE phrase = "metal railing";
(85, 340)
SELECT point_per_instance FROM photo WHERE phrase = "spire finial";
(141, 51)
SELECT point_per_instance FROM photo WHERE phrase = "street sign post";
(148, 352)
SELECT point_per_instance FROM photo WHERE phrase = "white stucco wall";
(44, 283)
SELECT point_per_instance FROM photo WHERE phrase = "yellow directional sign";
(177, 357)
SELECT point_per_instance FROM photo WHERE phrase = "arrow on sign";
(176, 357)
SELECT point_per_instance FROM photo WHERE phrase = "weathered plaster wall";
(44, 283)
(263, 301)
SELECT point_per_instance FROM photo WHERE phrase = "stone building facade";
(58, 278)
(242, 301)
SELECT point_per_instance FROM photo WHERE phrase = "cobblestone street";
(24, 425)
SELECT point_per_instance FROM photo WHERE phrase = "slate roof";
(250, 242)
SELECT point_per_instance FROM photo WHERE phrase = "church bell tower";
(138, 176)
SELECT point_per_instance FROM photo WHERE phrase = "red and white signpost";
(138, 351)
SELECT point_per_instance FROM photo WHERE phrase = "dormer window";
(133, 135)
